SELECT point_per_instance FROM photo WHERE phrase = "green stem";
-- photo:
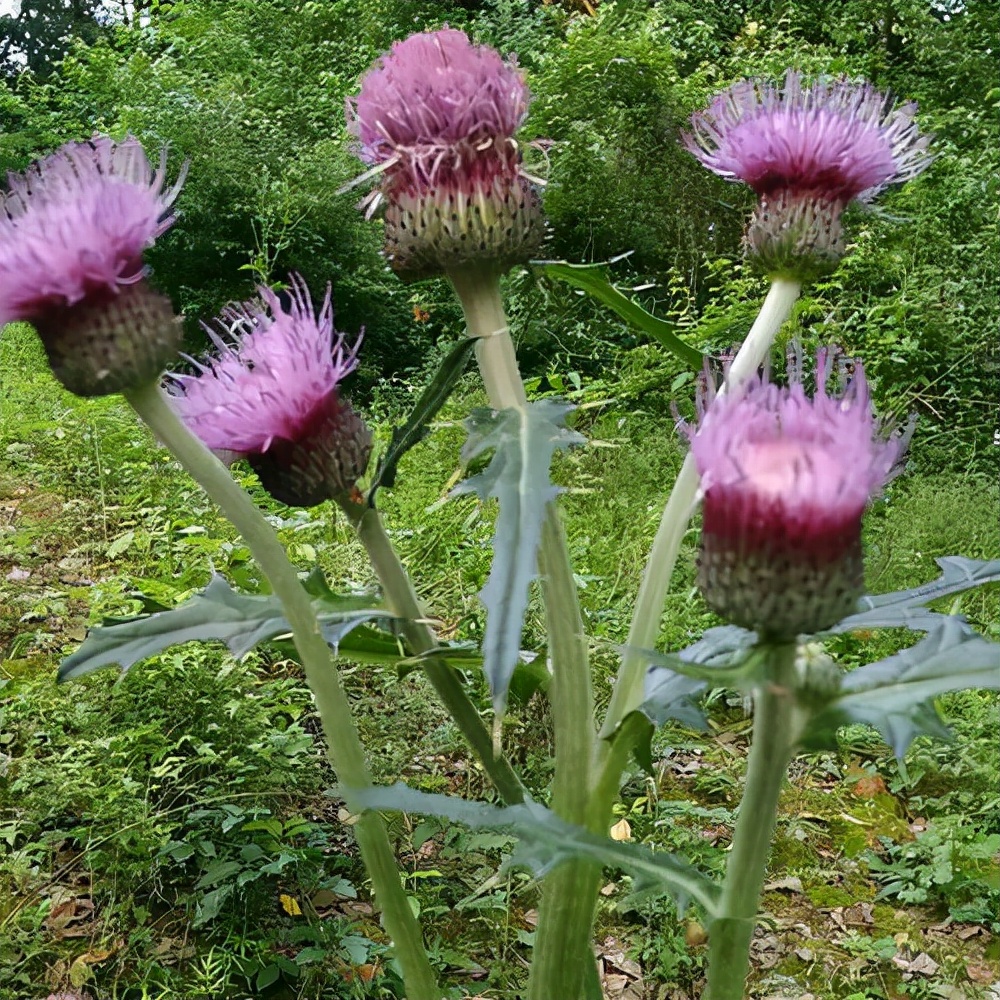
(645, 629)
(482, 303)
(777, 724)
(571, 693)
(562, 949)
(403, 601)
(344, 745)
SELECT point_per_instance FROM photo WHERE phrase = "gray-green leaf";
(905, 608)
(674, 680)
(523, 442)
(241, 621)
(545, 840)
(896, 695)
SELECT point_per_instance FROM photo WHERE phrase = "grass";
(170, 833)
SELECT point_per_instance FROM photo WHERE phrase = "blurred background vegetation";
(252, 93)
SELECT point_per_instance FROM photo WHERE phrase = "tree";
(39, 35)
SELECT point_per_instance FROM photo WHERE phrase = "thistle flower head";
(75, 224)
(73, 229)
(271, 395)
(786, 478)
(807, 152)
(436, 117)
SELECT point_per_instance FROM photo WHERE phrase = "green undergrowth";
(173, 833)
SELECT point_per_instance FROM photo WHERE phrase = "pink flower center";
(797, 471)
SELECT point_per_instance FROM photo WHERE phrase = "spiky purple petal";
(833, 141)
(75, 224)
(431, 93)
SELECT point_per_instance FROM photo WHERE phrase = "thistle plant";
(75, 226)
(784, 475)
(785, 481)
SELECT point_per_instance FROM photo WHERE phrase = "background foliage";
(252, 93)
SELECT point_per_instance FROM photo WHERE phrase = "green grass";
(170, 833)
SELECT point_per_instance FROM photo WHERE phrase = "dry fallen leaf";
(621, 830)
(694, 934)
(79, 971)
(860, 914)
(922, 965)
(790, 884)
(70, 917)
(982, 973)
(869, 787)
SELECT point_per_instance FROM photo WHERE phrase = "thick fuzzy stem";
(567, 910)
(402, 600)
(777, 725)
(627, 693)
(344, 745)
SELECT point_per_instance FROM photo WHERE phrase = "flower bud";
(101, 346)
(324, 461)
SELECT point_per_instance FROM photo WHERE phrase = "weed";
(948, 865)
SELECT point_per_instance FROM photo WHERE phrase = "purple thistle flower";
(436, 118)
(807, 153)
(272, 397)
(786, 479)
(73, 229)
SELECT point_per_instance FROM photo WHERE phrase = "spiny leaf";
(415, 429)
(523, 443)
(363, 644)
(905, 608)
(896, 695)
(720, 646)
(669, 695)
(673, 681)
(546, 841)
(241, 621)
(591, 278)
